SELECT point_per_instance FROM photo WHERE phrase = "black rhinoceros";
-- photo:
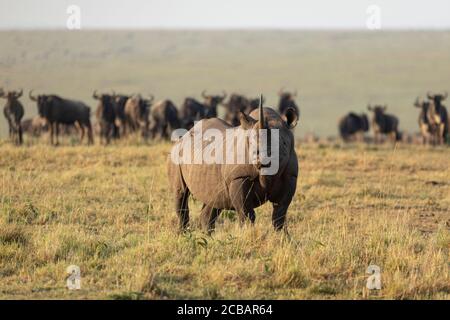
(234, 185)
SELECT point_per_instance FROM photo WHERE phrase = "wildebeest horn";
(369, 107)
(429, 95)
(19, 94)
(30, 95)
(261, 112)
(204, 94)
(152, 97)
(418, 102)
(94, 95)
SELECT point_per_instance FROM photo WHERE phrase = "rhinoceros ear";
(290, 117)
(246, 121)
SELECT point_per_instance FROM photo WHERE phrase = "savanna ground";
(109, 211)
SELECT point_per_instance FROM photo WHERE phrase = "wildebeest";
(34, 126)
(163, 119)
(353, 124)
(438, 116)
(240, 187)
(137, 111)
(211, 102)
(287, 100)
(424, 124)
(37, 126)
(192, 110)
(13, 112)
(384, 123)
(119, 106)
(106, 116)
(57, 110)
(236, 104)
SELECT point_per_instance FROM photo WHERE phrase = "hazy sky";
(404, 14)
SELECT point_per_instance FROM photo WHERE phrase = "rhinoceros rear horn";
(261, 112)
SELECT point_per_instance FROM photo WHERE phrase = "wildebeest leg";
(209, 216)
(81, 133)
(240, 190)
(280, 207)
(10, 129)
(20, 134)
(164, 130)
(51, 127)
(107, 133)
(56, 132)
(441, 133)
(124, 128)
(90, 134)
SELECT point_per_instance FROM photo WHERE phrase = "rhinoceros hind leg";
(182, 208)
(209, 216)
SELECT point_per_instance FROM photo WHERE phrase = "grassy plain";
(109, 210)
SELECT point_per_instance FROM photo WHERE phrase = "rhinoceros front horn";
(261, 112)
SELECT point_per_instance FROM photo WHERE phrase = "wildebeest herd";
(118, 115)
(433, 122)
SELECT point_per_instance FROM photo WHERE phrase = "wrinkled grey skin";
(238, 187)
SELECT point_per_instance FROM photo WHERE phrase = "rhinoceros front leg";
(280, 207)
(240, 193)
(209, 216)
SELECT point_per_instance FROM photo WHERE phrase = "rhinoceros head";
(276, 140)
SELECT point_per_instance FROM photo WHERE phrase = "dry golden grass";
(109, 210)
